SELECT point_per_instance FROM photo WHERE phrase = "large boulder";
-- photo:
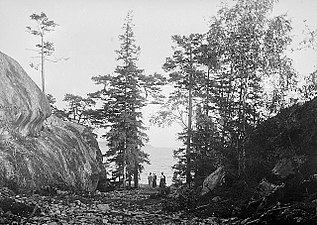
(20, 95)
(37, 149)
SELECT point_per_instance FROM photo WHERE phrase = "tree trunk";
(129, 180)
(124, 167)
(189, 125)
(243, 123)
(136, 176)
(42, 64)
(125, 133)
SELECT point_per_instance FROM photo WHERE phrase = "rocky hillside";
(283, 149)
(37, 149)
(279, 183)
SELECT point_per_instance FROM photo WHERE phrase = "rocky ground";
(143, 206)
(116, 207)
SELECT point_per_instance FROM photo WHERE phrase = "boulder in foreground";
(37, 149)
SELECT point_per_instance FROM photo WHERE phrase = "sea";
(161, 160)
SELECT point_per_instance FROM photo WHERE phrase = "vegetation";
(225, 83)
(219, 79)
(116, 108)
(246, 129)
(219, 92)
(44, 48)
(123, 95)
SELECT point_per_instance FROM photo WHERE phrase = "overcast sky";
(88, 34)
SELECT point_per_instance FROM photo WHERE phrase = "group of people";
(152, 178)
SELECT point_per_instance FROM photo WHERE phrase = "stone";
(216, 199)
(103, 207)
(213, 180)
(59, 192)
(52, 223)
(21, 98)
(265, 187)
(284, 168)
(36, 148)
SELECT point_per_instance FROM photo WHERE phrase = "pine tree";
(79, 109)
(44, 48)
(124, 94)
(184, 74)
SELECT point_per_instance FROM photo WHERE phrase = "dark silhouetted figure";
(162, 180)
(154, 180)
(150, 180)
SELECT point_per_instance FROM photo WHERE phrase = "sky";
(88, 34)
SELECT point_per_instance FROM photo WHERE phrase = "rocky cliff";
(37, 149)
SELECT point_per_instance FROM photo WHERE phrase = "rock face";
(20, 95)
(283, 150)
(281, 162)
(213, 180)
(37, 149)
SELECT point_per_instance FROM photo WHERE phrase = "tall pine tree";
(123, 95)
(185, 75)
(44, 48)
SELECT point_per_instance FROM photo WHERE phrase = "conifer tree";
(123, 95)
(79, 109)
(184, 74)
(44, 48)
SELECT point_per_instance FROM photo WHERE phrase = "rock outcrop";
(37, 149)
(283, 150)
(279, 183)
(20, 95)
(285, 145)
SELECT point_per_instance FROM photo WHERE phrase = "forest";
(248, 138)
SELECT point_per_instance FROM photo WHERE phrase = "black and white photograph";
(158, 112)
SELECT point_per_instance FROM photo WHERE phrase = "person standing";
(150, 180)
(162, 180)
(154, 180)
